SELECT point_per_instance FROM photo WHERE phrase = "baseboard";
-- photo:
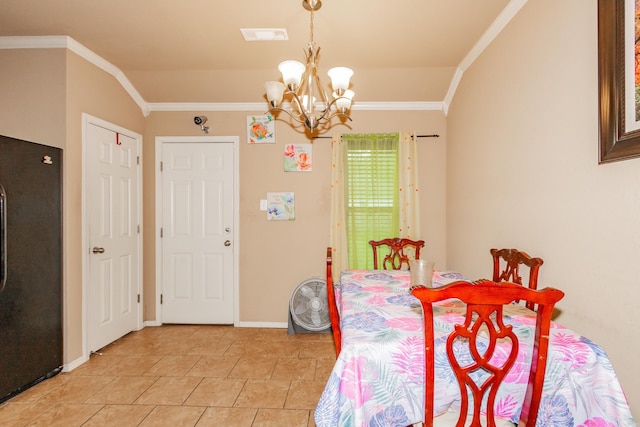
(67, 367)
(278, 325)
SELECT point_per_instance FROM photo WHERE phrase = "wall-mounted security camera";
(200, 121)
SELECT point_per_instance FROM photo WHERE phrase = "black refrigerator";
(30, 264)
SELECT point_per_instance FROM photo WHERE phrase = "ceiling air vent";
(264, 34)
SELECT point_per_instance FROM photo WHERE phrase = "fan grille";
(308, 305)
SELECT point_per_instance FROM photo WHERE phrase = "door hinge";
(138, 160)
(161, 166)
(161, 232)
(138, 298)
(160, 298)
(138, 228)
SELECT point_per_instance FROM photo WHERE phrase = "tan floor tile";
(173, 366)
(242, 334)
(76, 389)
(216, 392)
(19, 414)
(205, 374)
(96, 365)
(317, 350)
(170, 332)
(309, 336)
(134, 365)
(122, 390)
(41, 389)
(169, 391)
(214, 347)
(209, 333)
(130, 346)
(281, 417)
(294, 369)
(65, 415)
(173, 347)
(119, 416)
(254, 367)
(312, 421)
(212, 366)
(282, 348)
(173, 416)
(324, 368)
(227, 417)
(263, 394)
(304, 394)
(275, 335)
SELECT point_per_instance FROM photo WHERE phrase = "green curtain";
(371, 193)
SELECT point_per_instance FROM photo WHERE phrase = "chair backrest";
(506, 268)
(395, 258)
(484, 315)
(334, 315)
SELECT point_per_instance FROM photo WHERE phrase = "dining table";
(378, 378)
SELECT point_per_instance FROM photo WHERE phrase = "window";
(371, 193)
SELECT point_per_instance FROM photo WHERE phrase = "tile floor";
(186, 375)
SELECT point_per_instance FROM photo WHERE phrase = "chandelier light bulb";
(275, 92)
(343, 102)
(291, 73)
(340, 77)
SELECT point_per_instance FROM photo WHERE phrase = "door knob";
(97, 250)
(227, 242)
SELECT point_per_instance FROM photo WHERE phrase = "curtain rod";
(435, 135)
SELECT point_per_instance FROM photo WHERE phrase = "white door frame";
(236, 214)
(86, 121)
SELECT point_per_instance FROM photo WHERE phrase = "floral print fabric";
(378, 379)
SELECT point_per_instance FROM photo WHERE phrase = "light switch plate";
(263, 204)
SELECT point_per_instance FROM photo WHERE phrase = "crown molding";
(262, 106)
(66, 42)
(496, 27)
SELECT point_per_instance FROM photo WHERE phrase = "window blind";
(371, 193)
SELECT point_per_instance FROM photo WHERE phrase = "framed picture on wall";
(618, 79)
(261, 129)
(281, 206)
(298, 158)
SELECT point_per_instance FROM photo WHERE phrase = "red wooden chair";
(506, 265)
(395, 258)
(485, 301)
(333, 308)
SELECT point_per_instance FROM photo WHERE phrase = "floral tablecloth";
(378, 379)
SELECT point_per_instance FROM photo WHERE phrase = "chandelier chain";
(311, 27)
(301, 85)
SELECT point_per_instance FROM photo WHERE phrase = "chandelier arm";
(288, 113)
(298, 102)
(333, 114)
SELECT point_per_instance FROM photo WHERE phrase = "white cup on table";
(421, 271)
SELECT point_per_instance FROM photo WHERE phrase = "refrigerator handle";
(3, 238)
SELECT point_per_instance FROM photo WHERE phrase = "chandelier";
(302, 85)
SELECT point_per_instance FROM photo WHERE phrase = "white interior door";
(197, 232)
(112, 197)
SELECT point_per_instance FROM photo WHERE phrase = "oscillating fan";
(308, 308)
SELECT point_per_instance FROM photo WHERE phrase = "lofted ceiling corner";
(193, 51)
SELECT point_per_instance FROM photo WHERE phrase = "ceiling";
(193, 50)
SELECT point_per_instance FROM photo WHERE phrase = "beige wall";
(33, 100)
(275, 256)
(45, 93)
(92, 91)
(522, 172)
(56, 86)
